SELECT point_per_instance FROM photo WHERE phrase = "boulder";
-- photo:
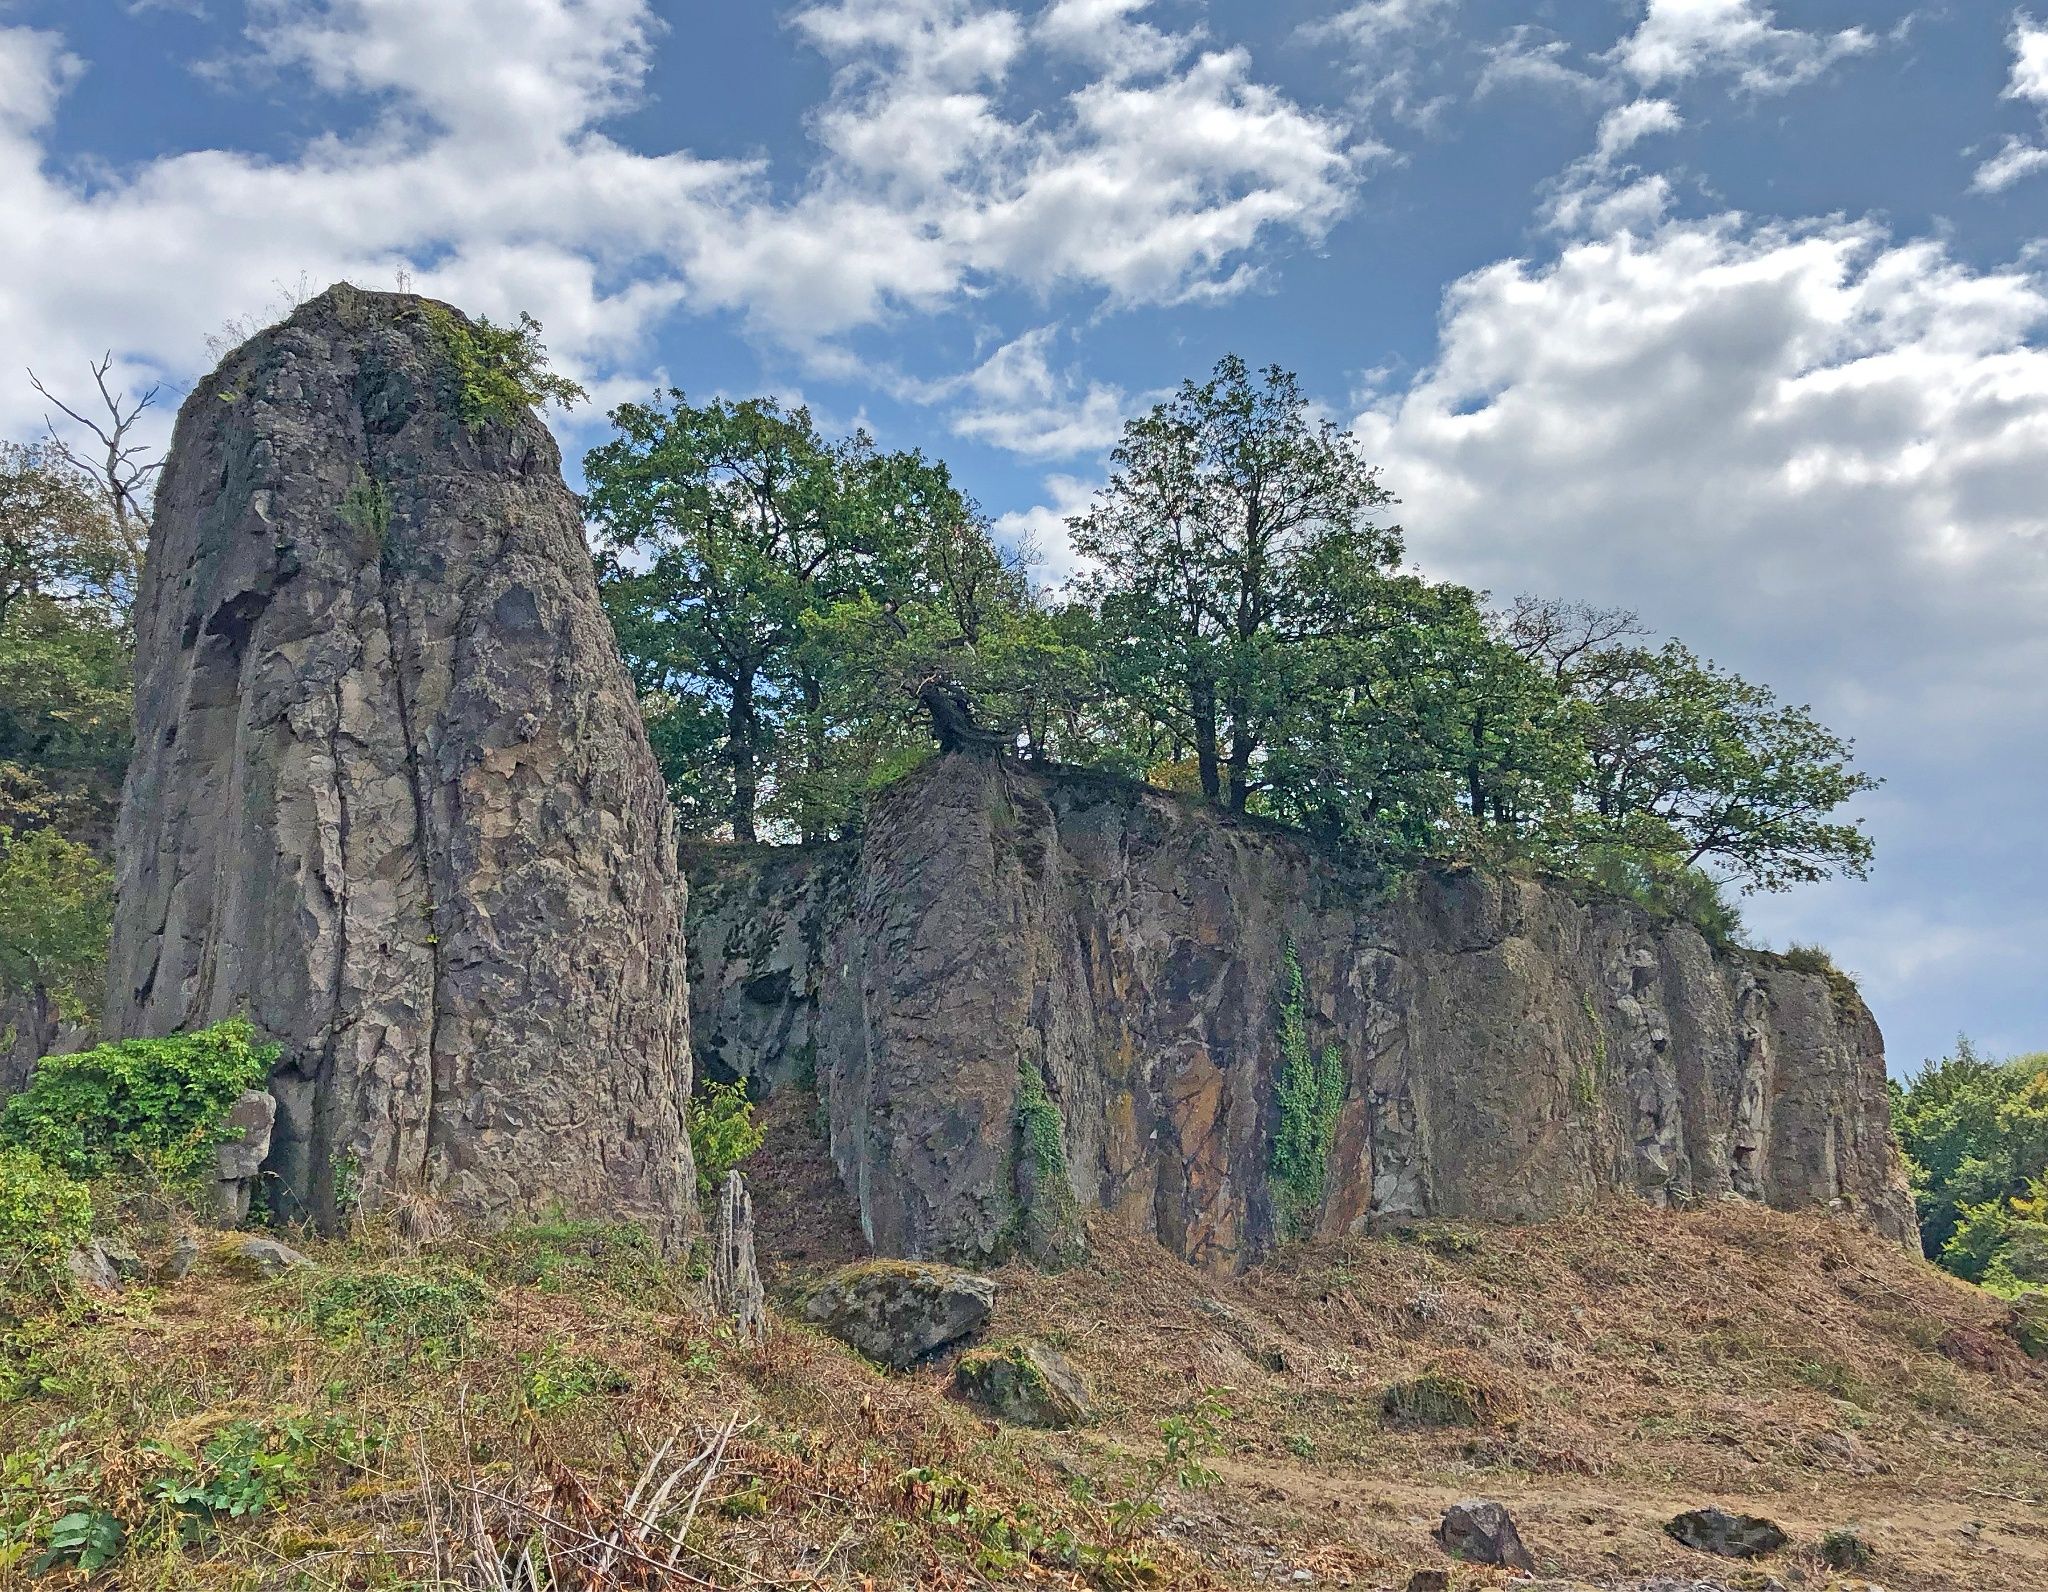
(238, 1161)
(1026, 1384)
(92, 1268)
(246, 1255)
(899, 1312)
(391, 796)
(1480, 1531)
(1732, 1536)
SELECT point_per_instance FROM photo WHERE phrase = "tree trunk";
(1475, 785)
(1202, 699)
(742, 736)
(1240, 753)
(814, 754)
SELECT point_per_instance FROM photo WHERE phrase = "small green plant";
(1844, 1549)
(558, 1377)
(1049, 1217)
(1188, 1440)
(366, 507)
(499, 371)
(722, 1131)
(425, 1318)
(1310, 1093)
(563, 1254)
(44, 1214)
(158, 1106)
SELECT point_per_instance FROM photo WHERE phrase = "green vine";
(1311, 1093)
(500, 371)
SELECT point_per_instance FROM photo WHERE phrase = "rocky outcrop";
(391, 795)
(1509, 1049)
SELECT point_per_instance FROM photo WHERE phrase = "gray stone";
(241, 1154)
(121, 1256)
(1025, 1383)
(1732, 1536)
(1515, 1050)
(183, 1256)
(391, 795)
(1480, 1531)
(265, 1258)
(733, 1285)
(899, 1312)
(92, 1268)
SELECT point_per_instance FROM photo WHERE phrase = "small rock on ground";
(1480, 1531)
(1729, 1535)
(898, 1312)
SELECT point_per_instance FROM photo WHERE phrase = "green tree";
(1696, 766)
(56, 902)
(724, 528)
(1223, 507)
(1975, 1133)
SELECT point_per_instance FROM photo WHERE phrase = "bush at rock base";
(155, 1106)
(43, 1214)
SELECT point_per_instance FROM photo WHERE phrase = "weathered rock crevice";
(1511, 1050)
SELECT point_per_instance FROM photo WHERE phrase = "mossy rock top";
(1025, 1383)
(898, 1312)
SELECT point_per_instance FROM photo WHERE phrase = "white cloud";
(1815, 453)
(1681, 39)
(1043, 527)
(1627, 125)
(2016, 159)
(1102, 31)
(2029, 42)
(1522, 59)
(1016, 401)
(488, 173)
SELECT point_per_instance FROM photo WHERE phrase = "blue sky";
(1729, 312)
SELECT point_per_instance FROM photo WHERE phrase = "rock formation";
(734, 1287)
(391, 794)
(1509, 1050)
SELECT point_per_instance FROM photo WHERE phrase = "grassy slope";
(1633, 1363)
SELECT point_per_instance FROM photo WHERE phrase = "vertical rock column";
(391, 796)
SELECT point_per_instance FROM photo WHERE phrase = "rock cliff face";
(1509, 1051)
(391, 795)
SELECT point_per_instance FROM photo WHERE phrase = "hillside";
(505, 1394)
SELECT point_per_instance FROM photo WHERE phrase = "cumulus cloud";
(1811, 450)
(1015, 400)
(2017, 157)
(1680, 39)
(1042, 528)
(487, 171)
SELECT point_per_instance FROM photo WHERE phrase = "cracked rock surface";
(1512, 1050)
(391, 795)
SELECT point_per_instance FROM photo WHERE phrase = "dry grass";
(584, 1426)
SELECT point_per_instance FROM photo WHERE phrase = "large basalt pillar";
(391, 796)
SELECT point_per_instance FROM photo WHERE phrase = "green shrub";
(722, 1131)
(425, 1318)
(43, 1215)
(1310, 1093)
(558, 1376)
(155, 1105)
(499, 371)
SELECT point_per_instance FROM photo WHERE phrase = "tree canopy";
(808, 616)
